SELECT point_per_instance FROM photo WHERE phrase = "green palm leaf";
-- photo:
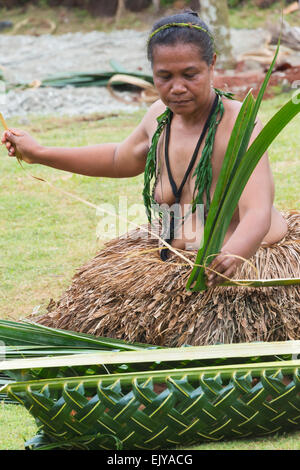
(30, 334)
(27, 340)
(237, 168)
(161, 358)
(97, 78)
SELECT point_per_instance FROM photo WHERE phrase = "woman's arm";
(113, 160)
(255, 206)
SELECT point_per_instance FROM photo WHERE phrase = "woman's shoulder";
(231, 107)
(155, 110)
(150, 118)
(231, 110)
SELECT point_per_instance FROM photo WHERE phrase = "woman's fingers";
(10, 147)
(4, 137)
(224, 265)
(20, 144)
(12, 151)
(9, 139)
(219, 264)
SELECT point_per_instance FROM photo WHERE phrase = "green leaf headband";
(181, 25)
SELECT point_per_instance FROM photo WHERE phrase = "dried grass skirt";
(127, 293)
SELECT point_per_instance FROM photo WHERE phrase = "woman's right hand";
(20, 144)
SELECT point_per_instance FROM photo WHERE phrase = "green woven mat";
(102, 412)
(99, 393)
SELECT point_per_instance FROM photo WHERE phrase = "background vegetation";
(243, 14)
(134, 5)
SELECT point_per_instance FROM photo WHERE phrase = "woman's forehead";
(177, 53)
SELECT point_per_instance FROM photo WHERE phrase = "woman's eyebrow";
(163, 71)
(187, 69)
(190, 69)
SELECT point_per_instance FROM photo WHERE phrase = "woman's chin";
(184, 107)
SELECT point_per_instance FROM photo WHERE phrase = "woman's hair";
(201, 37)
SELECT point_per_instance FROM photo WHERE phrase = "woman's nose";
(178, 87)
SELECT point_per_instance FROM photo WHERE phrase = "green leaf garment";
(203, 170)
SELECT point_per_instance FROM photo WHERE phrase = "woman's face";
(182, 78)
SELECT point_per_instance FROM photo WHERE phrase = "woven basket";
(160, 399)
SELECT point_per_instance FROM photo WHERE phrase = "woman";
(181, 142)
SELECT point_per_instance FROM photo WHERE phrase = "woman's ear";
(214, 60)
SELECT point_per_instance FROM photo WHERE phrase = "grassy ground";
(45, 235)
(16, 427)
(247, 15)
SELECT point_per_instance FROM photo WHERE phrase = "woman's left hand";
(226, 264)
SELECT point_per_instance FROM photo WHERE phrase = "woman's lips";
(180, 101)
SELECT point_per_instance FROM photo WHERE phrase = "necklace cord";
(178, 191)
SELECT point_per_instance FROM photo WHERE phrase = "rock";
(290, 35)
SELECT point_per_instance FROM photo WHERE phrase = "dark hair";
(174, 34)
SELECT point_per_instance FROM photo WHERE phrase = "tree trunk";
(120, 10)
(156, 4)
(137, 5)
(102, 7)
(215, 14)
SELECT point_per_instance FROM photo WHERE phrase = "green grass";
(45, 236)
(284, 156)
(67, 20)
(284, 442)
(247, 15)
(16, 427)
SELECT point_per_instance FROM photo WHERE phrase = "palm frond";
(5, 380)
(30, 334)
(236, 170)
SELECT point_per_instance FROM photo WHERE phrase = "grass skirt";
(127, 292)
